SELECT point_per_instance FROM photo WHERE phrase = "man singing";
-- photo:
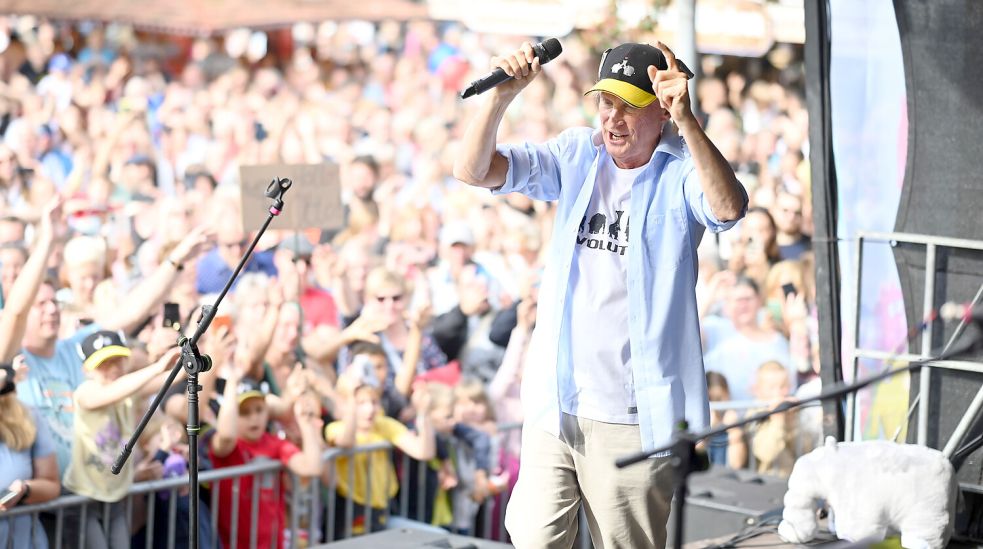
(615, 358)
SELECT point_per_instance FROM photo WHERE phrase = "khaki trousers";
(625, 507)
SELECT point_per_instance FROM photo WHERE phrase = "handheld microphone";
(962, 311)
(545, 51)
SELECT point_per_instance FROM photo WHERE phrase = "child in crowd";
(105, 415)
(472, 408)
(726, 449)
(164, 444)
(465, 454)
(241, 437)
(395, 391)
(364, 423)
(774, 441)
(165, 441)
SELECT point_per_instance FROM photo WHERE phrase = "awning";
(206, 17)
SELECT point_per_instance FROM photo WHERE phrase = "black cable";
(765, 527)
(752, 530)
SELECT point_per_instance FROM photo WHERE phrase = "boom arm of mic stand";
(683, 444)
(194, 363)
(832, 392)
(128, 447)
(203, 323)
(835, 391)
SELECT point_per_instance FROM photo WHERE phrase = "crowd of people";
(406, 321)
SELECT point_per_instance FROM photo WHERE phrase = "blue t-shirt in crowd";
(49, 387)
(213, 273)
(738, 358)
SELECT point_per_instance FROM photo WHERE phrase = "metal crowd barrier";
(310, 501)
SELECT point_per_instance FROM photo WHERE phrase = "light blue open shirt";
(669, 211)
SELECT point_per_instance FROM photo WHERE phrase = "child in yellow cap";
(104, 418)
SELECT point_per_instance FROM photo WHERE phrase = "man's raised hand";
(670, 86)
(522, 65)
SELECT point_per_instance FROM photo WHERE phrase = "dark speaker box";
(723, 502)
(942, 194)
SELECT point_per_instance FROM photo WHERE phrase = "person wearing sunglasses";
(403, 332)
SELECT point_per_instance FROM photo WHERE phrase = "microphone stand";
(683, 447)
(195, 363)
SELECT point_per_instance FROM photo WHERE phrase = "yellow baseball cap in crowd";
(100, 346)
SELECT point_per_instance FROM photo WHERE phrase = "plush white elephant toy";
(872, 489)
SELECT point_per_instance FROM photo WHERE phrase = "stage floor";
(407, 538)
(771, 540)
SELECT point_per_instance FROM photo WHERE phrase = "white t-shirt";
(598, 385)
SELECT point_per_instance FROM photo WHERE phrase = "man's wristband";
(27, 491)
(177, 266)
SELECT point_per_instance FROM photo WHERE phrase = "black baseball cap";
(100, 346)
(624, 72)
(249, 388)
(9, 385)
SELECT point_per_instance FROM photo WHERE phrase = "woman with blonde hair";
(85, 261)
(756, 249)
(404, 333)
(785, 279)
(28, 467)
(790, 302)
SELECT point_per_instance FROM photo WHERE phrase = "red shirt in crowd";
(272, 503)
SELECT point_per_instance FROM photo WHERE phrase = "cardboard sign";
(313, 201)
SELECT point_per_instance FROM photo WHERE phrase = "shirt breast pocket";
(667, 238)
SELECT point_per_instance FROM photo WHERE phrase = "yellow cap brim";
(104, 354)
(250, 394)
(629, 93)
